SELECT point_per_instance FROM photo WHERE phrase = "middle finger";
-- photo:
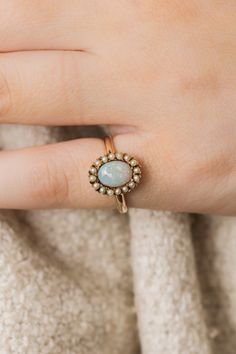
(53, 24)
(57, 88)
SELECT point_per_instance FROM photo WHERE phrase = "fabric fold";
(168, 299)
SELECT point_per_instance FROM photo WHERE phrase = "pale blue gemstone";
(115, 173)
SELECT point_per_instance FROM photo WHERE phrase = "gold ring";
(115, 174)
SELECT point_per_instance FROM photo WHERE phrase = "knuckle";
(49, 184)
(214, 167)
(5, 97)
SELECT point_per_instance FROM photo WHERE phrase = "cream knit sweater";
(96, 282)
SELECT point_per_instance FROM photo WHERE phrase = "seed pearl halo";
(92, 178)
(135, 175)
(93, 170)
(96, 186)
(104, 159)
(110, 192)
(136, 178)
(119, 155)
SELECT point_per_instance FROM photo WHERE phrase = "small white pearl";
(111, 156)
(137, 170)
(125, 189)
(133, 162)
(131, 184)
(118, 191)
(102, 190)
(96, 186)
(110, 192)
(92, 178)
(93, 170)
(127, 157)
(119, 155)
(98, 163)
(136, 178)
(104, 159)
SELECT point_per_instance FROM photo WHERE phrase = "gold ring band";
(109, 144)
(115, 174)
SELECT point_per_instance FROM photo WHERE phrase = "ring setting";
(115, 174)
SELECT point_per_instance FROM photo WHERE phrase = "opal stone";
(115, 173)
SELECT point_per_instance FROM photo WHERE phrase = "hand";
(161, 74)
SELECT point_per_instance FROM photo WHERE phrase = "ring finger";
(57, 175)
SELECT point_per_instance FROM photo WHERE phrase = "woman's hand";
(161, 74)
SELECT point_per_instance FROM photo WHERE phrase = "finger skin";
(54, 88)
(35, 24)
(56, 176)
(61, 25)
(63, 88)
(47, 88)
(50, 88)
